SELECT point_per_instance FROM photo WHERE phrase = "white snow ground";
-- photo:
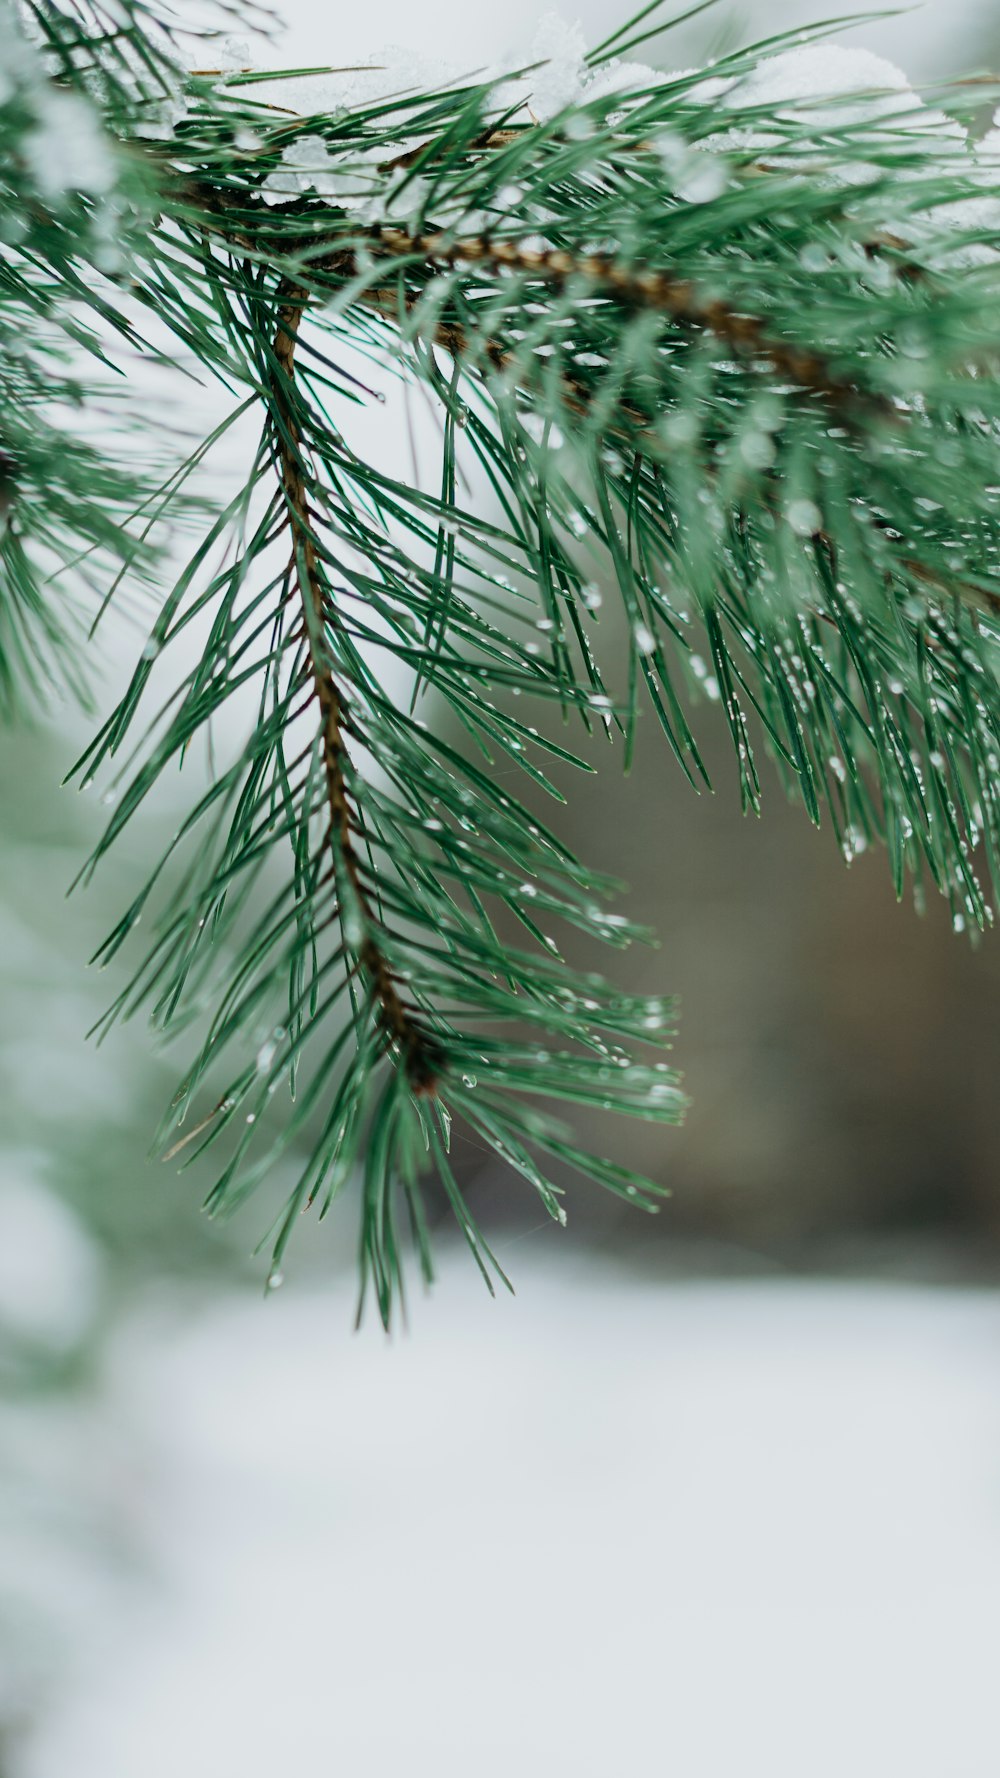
(617, 1526)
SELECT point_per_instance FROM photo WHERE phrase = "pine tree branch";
(661, 291)
(742, 332)
(398, 1019)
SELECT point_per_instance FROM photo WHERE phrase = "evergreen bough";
(724, 339)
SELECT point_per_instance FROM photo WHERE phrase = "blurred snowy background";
(717, 1493)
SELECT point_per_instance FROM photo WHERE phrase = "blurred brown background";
(841, 1051)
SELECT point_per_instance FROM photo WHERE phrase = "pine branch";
(658, 291)
(737, 356)
(400, 1021)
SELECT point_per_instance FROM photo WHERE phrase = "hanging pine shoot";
(727, 340)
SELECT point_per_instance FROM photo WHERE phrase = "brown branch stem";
(662, 291)
(399, 1020)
